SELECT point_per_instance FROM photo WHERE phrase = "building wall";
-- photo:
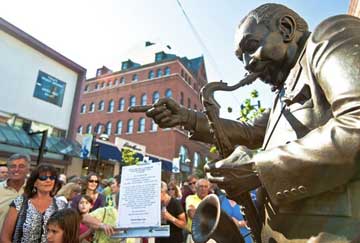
(19, 67)
(163, 142)
(354, 8)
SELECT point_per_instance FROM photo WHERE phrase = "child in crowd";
(84, 207)
(63, 226)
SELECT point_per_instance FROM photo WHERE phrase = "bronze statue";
(309, 163)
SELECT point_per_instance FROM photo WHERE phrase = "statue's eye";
(251, 45)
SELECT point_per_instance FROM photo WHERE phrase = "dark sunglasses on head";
(45, 177)
(93, 181)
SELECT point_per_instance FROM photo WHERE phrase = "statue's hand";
(166, 112)
(236, 173)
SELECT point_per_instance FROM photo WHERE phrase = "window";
(96, 86)
(116, 81)
(151, 74)
(111, 106)
(154, 126)
(189, 103)
(132, 100)
(155, 96)
(86, 88)
(119, 125)
(130, 126)
(108, 128)
(182, 73)
(89, 129)
(144, 99)
(195, 107)
(80, 129)
(197, 159)
(181, 98)
(83, 109)
(159, 73)
(183, 153)
(121, 104)
(92, 107)
(99, 128)
(167, 71)
(135, 77)
(103, 85)
(122, 80)
(168, 93)
(101, 105)
(141, 125)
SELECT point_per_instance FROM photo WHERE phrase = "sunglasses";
(171, 189)
(93, 181)
(45, 177)
(192, 183)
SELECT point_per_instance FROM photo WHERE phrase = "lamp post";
(42, 146)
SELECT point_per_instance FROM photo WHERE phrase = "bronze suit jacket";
(309, 165)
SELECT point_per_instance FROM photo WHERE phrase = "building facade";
(106, 98)
(40, 92)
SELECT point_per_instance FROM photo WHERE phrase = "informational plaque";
(139, 202)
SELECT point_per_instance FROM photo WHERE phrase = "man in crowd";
(18, 165)
(308, 168)
(202, 187)
(3, 173)
(113, 198)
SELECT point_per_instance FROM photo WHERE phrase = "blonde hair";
(68, 188)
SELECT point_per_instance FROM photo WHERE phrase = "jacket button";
(293, 191)
(302, 189)
(279, 195)
(286, 193)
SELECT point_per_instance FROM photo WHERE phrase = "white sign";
(139, 202)
(86, 146)
(176, 165)
(120, 143)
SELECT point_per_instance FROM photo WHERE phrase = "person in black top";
(172, 213)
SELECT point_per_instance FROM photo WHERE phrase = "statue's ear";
(287, 26)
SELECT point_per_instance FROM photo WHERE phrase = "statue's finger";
(139, 108)
(215, 179)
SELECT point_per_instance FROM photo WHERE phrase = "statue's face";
(262, 51)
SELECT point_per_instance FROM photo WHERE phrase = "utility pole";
(42, 147)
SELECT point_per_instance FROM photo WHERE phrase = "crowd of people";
(39, 205)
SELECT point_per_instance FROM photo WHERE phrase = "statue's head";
(268, 41)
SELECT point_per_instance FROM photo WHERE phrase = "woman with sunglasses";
(90, 189)
(174, 191)
(28, 214)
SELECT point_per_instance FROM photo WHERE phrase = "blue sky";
(95, 33)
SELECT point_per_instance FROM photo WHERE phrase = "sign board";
(86, 146)
(120, 143)
(139, 201)
(49, 88)
(176, 165)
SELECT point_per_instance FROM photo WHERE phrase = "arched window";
(151, 74)
(159, 73)
(101, 105)
(108, 128)
(121, 104)
(182, 73)
(99, 128)
(92, 107)
(119, 126)
(141, 125)
(96, 86)
(130, 126)
(195, 107)
(181, 98)
(167, 71)
(189, 103)
(103, 85)
(154, 126)
(155, 96)
(132, 100)
(168, 93)
(135, 77)
(115, 82)
(80, 129)
(89, 129)
(143, 99)
(122, 80)
(183, 153)
(197, 159)
(83, 109)
(111, 106)
(86, 88)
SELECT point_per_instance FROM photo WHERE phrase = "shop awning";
(107, 151)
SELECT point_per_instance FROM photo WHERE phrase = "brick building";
(106, 97)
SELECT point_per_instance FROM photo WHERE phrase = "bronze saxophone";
(224, 146)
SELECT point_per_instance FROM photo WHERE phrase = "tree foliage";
(128, 156)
